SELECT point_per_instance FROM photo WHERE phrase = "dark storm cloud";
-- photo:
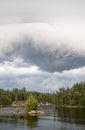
(42, 45)
(45, 60)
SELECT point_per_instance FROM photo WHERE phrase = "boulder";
(36, 112)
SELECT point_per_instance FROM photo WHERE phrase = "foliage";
(73, 96)
(31, 103)
(68, 96)
(15, 95)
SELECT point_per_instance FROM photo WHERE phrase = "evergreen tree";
(31, 103)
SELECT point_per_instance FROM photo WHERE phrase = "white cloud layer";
(43, 36)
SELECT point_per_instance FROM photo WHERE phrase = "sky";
(42, 44)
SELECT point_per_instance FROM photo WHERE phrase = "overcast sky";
(42, 44)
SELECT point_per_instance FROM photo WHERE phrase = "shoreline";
(69, 106)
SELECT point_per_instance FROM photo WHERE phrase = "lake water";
(54, 119)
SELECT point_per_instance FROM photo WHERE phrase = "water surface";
(54, 119)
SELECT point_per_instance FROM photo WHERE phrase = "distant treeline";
(74, 96)
(14, 95)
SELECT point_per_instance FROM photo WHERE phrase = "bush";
(31, 103)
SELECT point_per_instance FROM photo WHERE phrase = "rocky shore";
(18, 112)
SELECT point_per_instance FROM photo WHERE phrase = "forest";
(74, 96)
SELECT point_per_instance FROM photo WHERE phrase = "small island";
(31, 107)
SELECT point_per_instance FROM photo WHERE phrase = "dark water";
(54, 119)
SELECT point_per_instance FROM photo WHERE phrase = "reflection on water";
(73, 115)
(56, 119)
(31, 121)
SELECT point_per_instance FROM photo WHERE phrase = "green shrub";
(31, 103)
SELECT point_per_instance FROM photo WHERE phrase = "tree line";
(7, 97)
(74, 96)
